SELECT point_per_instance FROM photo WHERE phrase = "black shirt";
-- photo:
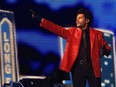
(84, 52)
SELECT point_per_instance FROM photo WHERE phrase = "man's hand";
(35, 16)
(33, 13)
(104, 51)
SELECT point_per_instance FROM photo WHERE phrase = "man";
(83, 48)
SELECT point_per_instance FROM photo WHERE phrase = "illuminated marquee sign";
(8, 53)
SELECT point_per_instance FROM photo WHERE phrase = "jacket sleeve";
(50, 26)
(105, 48)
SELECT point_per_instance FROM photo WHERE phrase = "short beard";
(82, 26)
(79, 27)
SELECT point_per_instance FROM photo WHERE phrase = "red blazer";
(73, 38)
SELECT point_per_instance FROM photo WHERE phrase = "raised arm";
(50, 26)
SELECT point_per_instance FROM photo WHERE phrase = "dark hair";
(87, 14)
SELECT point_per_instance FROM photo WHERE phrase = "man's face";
(81, 21)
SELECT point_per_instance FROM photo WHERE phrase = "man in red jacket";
(83, 49)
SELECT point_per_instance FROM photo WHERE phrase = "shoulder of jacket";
(96, 30)
(74, 28)
(69, 28)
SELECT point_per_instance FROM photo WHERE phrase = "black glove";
(105, 51)
(36, 17)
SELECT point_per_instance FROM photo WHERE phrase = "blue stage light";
(11, 1)
(57, 4)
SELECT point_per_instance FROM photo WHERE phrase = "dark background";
(38, 49)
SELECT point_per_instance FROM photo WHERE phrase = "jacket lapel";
(79, 33)
(92, 38)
